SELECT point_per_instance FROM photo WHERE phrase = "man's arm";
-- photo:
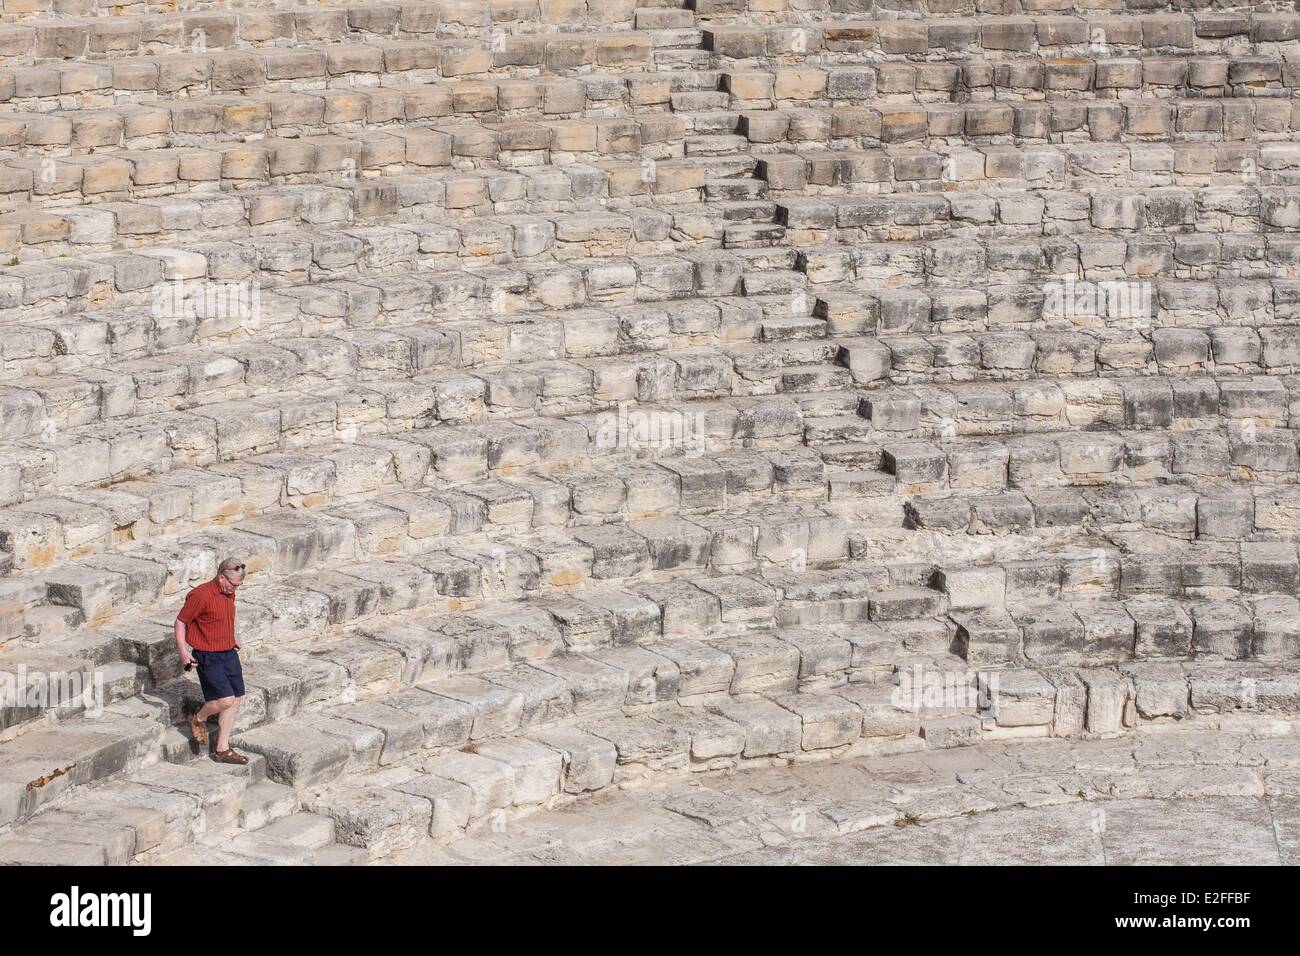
(181, 646)
(182, 626)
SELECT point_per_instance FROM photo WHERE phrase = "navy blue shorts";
(220, 674)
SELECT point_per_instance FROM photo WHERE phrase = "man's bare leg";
(229, 707)
(209, 710)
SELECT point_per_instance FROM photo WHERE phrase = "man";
(207, 624)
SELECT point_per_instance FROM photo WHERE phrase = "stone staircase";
(603, 391)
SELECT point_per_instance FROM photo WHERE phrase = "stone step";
(539, 239)
(807, 78)
(42, 765)
(890, 103)
(486, 785)
(340, 854)
(469, 14)
(758, 11)
(1250, 123)
(601, 258)
(1044, 36)
(1247, 446)
(749, 661)
(130, 780)
(63, 34)
(706, 341)
(1039, 461)
(916, 169)
(349, 61)
(716, 423)
(438, 497)
(793, 358)
(463, 15)
(1033, 568)
(797, 76)
(242, 29)
(422, 594)
(265, 803)
(589, 101)
(1237, 515)
(1148, 626)
(508, 107)
(99, 154)
(61, 363)
(415, 162)
(642, 745)
(766, 263)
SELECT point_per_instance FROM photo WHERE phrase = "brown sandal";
(199, 730)
(229, 756)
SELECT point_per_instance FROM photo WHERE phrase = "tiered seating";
(607, 390)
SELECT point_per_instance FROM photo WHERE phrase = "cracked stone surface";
(1103, 803)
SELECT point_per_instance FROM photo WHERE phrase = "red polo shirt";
(209, 618)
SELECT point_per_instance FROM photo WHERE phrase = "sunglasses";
(235, 567)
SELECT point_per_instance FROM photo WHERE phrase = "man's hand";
(187, 659)
(238, 646)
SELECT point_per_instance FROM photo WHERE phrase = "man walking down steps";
(206, 623)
